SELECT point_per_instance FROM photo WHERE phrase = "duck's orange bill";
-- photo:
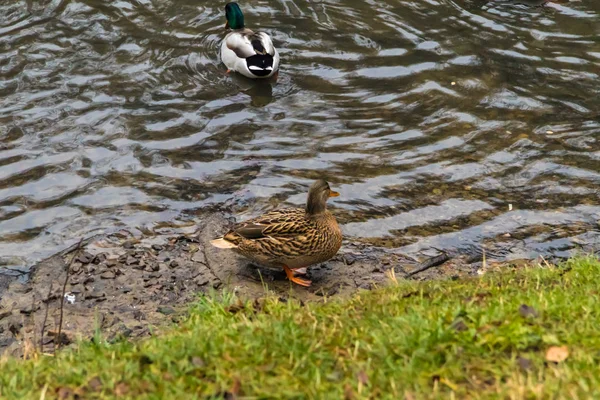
(333, 194)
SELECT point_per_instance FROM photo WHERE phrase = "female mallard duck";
(290, 238)
(250, 53)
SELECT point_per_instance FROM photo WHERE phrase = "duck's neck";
(316, 209)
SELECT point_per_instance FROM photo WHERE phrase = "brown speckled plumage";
(291, 237)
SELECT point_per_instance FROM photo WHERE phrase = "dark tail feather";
(260, 64)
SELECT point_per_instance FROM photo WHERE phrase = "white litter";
(70, 298)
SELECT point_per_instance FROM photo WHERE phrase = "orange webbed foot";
(295, 279)
(299, 271)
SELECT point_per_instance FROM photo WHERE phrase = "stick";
(432, 262)
(45, 318)
(62, 296)
(34, 339)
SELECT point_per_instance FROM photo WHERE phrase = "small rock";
(166, 310)
(174, 264)
(131, 260)
(150, 283)
(198, 362)
(77, 289)
(349, 259)
(119, 272)
(21, 288)
(460, 326)
(157, 247)
(76, 268)
(525, 364)
(85, 258)
(201, 280)
(139, 254)
(99, 258)
(74, 281)
(90, 269)
(5, 314)
(138, 315)
(111, 262)
(29, 309)
(108, 275)
(95, 294)
(128, 245)
(155, 267)
(527, 311)
(126, 289)
(89, 279)
(14, 327)
(139, 266)
(64, 338)
(154, 275)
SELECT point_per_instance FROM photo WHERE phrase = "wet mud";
(126, 287)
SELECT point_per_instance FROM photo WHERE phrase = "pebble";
(174, 264)
(111, 262)
(85, 258)
(76, 267)
(166, 310)
(108, 275)
(89, 279)
(157, 247)
(99, 258)
(95, 294)
(131, 260)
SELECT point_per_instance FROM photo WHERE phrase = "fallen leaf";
(121, 389)
(362, 377)
(348, 392)
(65, 393)
(557, 354)
(95, 384)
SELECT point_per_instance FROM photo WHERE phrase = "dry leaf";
(557, 354)
(95, 384)
(362, 377)
(348, 392)
(121, 389)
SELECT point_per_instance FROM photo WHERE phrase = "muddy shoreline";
(130, 287)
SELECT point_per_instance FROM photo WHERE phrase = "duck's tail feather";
(260, 64)
(223, 244)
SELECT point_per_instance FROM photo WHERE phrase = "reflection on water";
(429, 116)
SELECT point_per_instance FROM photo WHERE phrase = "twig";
(34, 339)
(62, 296)
(432, 262)
(45, 318)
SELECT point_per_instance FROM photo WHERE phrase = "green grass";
(444, 339)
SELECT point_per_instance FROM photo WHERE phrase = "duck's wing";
(285, 223)
(263, 44)
(247, 44)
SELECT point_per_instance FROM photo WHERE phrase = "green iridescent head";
(235, 18)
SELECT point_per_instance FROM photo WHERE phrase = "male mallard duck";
(250, 53)
(290, 238)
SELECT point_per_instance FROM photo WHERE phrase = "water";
(444, 124)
